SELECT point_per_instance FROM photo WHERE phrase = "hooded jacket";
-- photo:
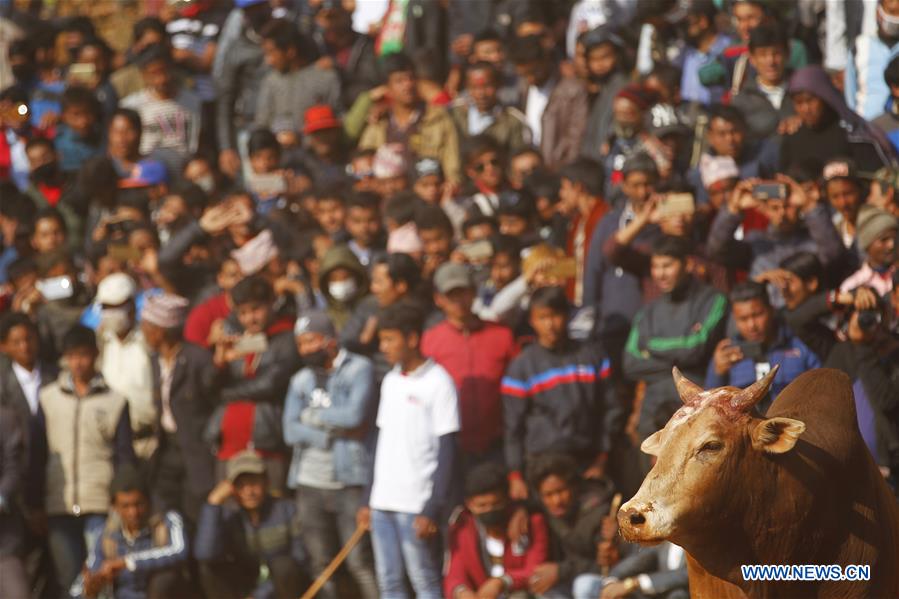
(843, 128)
(342, 256)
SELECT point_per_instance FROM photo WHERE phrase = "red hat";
(319, 117)
(637, 94)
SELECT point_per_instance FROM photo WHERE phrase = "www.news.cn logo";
(806, 572)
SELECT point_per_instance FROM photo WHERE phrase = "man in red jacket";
(476, 354)
(483, 562)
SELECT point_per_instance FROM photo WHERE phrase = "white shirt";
(30, 382)
(774, 94)
(416, 409)
(538, 98)
(675, 555)
(126, 367)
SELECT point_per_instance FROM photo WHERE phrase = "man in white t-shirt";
(418, 418)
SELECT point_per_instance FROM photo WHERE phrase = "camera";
(869, 319)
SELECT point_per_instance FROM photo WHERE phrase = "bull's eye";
(710, 446)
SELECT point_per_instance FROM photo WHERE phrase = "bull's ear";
(652, 444)
(777, 435)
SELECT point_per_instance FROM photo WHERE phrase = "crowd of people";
(411, 276)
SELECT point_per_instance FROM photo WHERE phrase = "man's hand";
(598, 468)
(491, 589)
(796, 194)
(220, 493)
(424, 527)
(778, 277)
(229, 162)
(607, 554)
(518, 523)
(518, 489)
(741, 197)
(216, 219)
(789, 125)
(363, 517)
(545, 577)
(865, 299)
(726, 355)
(112, 567)
(614, 590)
(93, 583)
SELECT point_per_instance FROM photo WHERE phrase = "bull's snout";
(641, 522)
(633, 516)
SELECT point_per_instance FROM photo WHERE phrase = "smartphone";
(251, 344)
(752, 350)
(675, 204)
(56, 288)
(82, 72)
(476, 251)
(267, 185)
(124, 252)
(769, 191)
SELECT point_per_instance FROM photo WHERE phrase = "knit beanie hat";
(872, 223)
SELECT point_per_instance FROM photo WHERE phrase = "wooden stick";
(328, 572)
(613, 511)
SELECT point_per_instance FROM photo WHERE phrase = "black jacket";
(12, 476)
(193, 397)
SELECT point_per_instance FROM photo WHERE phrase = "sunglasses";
(480, 167)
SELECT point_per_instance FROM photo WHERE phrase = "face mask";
(493, 519)
(206, 183)
(342, 290)
(116, 320)
(889, 24)
(22, 72)
(45, 173)
(317, 359)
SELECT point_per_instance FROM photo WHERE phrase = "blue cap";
(144, 174)
(246, 3)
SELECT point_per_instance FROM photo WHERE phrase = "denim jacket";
(338, 420)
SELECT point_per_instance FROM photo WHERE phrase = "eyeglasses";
(480, 167)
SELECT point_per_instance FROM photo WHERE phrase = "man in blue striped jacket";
(139, 555)
(555, 398)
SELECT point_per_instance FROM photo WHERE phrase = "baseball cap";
(314, 321)
(116, 289)
(247, 3)
(144, 174)
(319, 117)
(452, 276)
(516, 204)
(246, 462)
(426, 167)
(601, 35)
(839, 168)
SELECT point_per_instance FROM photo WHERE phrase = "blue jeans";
(399, 552)
(70, 539)
(587, 586)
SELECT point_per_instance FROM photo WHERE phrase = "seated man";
(659, 571)
(139, 554)
(575, 510)
(762, 340)
(483, 561)
(254, 549)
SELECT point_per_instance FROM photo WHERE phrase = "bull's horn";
(687, 389)
(751, 395)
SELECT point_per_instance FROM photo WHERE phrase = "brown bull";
(796, 487)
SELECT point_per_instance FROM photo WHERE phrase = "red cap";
(319, 117)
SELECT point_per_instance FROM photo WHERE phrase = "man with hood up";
(829, 127)
(344, 283)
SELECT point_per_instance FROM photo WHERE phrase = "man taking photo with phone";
(762, 342)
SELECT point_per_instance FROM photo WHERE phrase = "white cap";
(116, 289)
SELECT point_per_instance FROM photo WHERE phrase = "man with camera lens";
(870, 356)
(762, 341)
